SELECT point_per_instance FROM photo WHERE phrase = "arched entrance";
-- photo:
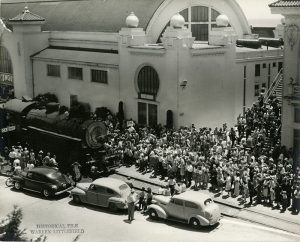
(148, 86)
(6, 75)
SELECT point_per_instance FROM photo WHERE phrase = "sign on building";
(8, 129)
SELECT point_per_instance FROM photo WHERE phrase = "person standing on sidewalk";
(296, 199)
(171, 185)
(251, 190)
(148, 199)
(141, 199)
(131, 201)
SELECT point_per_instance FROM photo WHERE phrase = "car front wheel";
(17, 185)
(195, 223)
(76, 199)
(46, 193)
(113, 207)
(153, 214)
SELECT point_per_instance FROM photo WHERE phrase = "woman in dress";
(265, 191)
(244, 183)
(228, 184)
(237, 179)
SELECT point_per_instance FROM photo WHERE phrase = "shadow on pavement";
(97, 208)
(40, 195)
(178, 225)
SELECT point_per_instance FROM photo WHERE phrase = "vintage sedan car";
(104, 192)
(46, 180)
(194, 208)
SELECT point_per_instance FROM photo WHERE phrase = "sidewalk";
(230, 206)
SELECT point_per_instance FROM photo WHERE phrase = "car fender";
(161, 213)
(46, 186)
(77, 191)
(17, 178)
(203, 221)
(120, 202)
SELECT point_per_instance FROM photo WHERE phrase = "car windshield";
(124, 189)
(55, 175)
(208, 201)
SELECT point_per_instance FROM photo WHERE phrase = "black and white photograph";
(150, 120)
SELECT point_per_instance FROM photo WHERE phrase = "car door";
(191, 209)
(108, 194)
(38, 182)
(102, 196)
(92, 195)
(175, 209)
(30, 182)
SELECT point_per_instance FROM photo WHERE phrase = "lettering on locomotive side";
(8, 129)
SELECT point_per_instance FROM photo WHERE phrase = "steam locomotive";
(72, 138)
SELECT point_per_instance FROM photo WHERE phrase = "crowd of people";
(22, 158)
(245, 161)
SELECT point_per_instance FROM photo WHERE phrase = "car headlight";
(54, 187)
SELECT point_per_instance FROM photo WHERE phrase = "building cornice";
(251, 59)
(80, 63)
(146, 50)
(259, 55)
(209, 51)
(285, 10)
(71, 42)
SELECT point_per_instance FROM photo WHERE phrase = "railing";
(274, 85)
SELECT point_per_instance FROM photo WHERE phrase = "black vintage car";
(45, 180)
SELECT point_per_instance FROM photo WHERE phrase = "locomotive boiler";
(51, 129)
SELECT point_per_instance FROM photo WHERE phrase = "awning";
(17, 105)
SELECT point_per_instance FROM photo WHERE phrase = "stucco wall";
(21, 45)
(207, 100)
(165, 65)
(96, 94)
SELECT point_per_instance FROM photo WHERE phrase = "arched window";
(148, 82)
(200, 20)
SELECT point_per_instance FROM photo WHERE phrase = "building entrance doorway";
(147, 114)
(147, 87)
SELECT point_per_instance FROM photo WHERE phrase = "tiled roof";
(85, 15)
(26, 15)
(285, 3)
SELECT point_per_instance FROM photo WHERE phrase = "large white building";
(291, 76)
(154, 60)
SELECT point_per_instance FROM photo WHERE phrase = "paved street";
(97, 224)
(260, 213)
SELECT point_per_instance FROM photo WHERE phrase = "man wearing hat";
(131, 201)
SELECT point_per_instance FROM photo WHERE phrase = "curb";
(232, 206)
(138, 179)
(272, 216)
(155, 184)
